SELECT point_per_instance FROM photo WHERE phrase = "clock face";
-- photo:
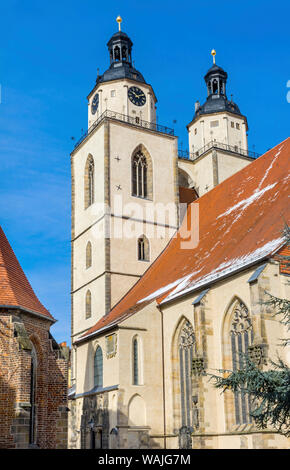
(95, 103)
(136, 96)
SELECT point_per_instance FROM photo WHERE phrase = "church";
(172, 255)
(33, 366)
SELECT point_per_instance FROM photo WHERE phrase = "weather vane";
(213, 53)
(119, 21)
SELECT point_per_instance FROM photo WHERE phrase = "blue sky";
(49, 55)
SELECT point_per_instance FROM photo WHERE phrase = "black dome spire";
(216, 79)
(120, 50)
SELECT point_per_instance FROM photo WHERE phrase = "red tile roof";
(240, 223)
(187, 195)
(15, 289)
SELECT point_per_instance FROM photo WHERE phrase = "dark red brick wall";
(51, 386)
(7, 385)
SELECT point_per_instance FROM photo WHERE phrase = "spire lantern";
(216, 79)
(121, 64)
(120, 46)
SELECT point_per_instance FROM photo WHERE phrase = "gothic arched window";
(139, 175)
(88, 255)
(98, 367)
(135, 362)
(137, 370)
(143, 248)
(88, 304)
(89, 182)
(186, 349)
(241, 334)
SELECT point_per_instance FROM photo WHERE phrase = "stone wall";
(20, 334)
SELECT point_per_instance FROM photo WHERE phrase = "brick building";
(33, 367)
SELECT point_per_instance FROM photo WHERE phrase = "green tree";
(269, 390)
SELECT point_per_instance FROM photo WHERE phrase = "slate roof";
(241, 222)
(217, 104)
(120, 70)
(15, 289)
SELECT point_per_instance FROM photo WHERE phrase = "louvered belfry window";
(139, 175)
(241, 333)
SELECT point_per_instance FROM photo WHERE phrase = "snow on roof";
(240, 223)
(225, 269)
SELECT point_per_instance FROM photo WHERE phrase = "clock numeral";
(136, 96)
(95, 103)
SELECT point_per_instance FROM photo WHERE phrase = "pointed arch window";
(89, 182)
(88, 255)
(88, 304)
(98, 367)
(139, 175)
(137, 370)
(135, 362)
(143, 248)
(186, 347)
(241, 334)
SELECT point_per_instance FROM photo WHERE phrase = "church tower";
(121, 167)
(218, 145)
(131, 356)
(129, 94)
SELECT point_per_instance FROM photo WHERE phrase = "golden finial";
(119, 21)
(213, 53)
